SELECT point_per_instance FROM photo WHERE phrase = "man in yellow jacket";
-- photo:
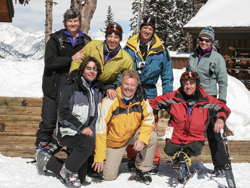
(125, 121)
(114, 60)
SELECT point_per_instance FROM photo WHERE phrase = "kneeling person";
(125, 121)
(191, 111)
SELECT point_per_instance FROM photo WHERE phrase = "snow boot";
(71, 178)
(143, 177)
(42, 158)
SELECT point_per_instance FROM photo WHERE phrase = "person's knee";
(87, 146)
(154, 138)
(109, 176)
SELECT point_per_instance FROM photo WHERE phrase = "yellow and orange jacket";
(118, 122)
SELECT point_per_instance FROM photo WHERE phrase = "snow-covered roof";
(222, 13)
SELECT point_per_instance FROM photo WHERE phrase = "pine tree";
(140, 10)
(110, 18)
(170, 16)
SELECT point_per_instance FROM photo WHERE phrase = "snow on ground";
(24, 79)
(17, 173)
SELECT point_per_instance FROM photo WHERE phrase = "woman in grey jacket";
(78, 116)
(211, 68)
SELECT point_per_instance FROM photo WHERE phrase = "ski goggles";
(192, 75)
(114, 27)
(206, 40)
(148, 21)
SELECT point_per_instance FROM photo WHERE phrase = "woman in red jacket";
(191, 110)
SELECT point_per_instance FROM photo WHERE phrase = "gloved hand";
(140, 93)
(73, 76)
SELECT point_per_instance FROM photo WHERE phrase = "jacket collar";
(202, 95)
(100, 47)
(157, 46)
(120, 97)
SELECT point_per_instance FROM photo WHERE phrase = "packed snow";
(222, 13)
(24, 79)
(17, 173)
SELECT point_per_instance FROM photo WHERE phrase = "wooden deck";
(19, 119)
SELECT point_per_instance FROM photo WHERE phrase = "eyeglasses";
(90, 68)
(186, 75)
(206, 40)
(149, 21)
(114, 27)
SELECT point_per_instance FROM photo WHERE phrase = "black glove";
(140, 93)
(73, 76)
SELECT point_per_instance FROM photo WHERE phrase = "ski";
(182, 185)
(230, 178)
(31, 162)
(185, 183)
(228, 168)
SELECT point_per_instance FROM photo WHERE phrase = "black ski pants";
(49, 113)
(194, 148)
(82, 148)
(49, 118)
(217, 147)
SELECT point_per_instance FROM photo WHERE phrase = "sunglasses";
(149, 21)
(186, 75)
(206, 40)
(90, 68)
(114, 27)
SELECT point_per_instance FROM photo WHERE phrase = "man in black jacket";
(63, 47)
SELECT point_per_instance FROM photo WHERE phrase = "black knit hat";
(148, 21)
(114, 27)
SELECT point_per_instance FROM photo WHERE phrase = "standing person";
(78, 116)
(63, 47)
(151, 61)
(114, 60)
(125, 121)
(211, 67)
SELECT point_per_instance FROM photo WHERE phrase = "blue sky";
(32, 17)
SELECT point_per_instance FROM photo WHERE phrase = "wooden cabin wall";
(224, 45)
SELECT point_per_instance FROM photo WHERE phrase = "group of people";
(101, 99)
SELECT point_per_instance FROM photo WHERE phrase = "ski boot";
(42, 158)
(71, 178)
(143, 177)
(154, 170)
(181, 163)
